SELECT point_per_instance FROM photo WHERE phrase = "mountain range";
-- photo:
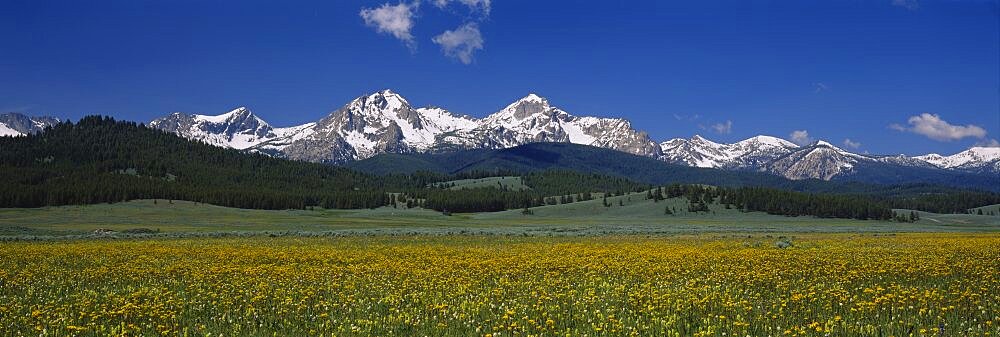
(15, 124)
(385, 122)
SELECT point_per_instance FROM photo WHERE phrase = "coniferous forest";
(100, 160)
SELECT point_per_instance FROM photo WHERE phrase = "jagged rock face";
(15, 124)
(532, 119)
(238, 129)
(814, 162)
(618, 134)
(750, 154)
(385, 122)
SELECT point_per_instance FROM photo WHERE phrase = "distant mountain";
(588, 159)
(820, 160)
(385, 122)
(976, 159)
(747, 154)
(238, 129)
(15, 124)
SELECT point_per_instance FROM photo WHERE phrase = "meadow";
(932, 284)
(626, 214)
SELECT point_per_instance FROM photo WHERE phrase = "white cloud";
(482, 6)
(988, 143)
(933, 127)
(394, 20)
(686, 117)
(908, 4)
(801, 137)
(851, 144)
(723, 128)
(461, 43)
(821, 87)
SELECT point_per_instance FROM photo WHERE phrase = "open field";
(702, 285)
(626, 214)
(994, 209)
(510, 182)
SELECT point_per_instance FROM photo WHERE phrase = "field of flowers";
(823, 285)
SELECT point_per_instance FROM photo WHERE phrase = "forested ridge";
(99, 159)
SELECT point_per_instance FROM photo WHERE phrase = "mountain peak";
(532, 97)
(703, 140)
(385, 99)
(824, 143)
(523, 108)
(237, 115)
(768, 140)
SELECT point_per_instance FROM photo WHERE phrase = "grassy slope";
(513, 183)
(987, 209)
(637, 215)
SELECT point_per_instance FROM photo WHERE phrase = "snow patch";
(8, 131)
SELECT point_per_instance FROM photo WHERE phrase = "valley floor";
(627, 214)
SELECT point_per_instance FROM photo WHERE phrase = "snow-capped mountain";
(746, 154)
(532, 119)
(238, 129)
(382, 122)
(976, 159)
(385, 122)
(15, 124)
(819, 160)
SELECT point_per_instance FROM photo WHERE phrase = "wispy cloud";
(686, 117)
(461, 43)
(988, 143)
(723, 128)
(800, 137)
(933, 127)
(820, 87)
(396, 20)
(908, 4)
(851, 144)
(481, 6)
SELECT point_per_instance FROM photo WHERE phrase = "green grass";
(511, 183)
(630, 213)
(994, 209)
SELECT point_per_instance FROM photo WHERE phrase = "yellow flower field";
(824, 285)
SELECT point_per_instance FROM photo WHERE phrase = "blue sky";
(895, 76)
